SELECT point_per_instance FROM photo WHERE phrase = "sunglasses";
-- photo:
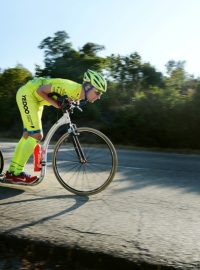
(98, 93)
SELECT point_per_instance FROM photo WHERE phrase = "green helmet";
(96, 80)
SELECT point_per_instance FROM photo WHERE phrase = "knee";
(25, 134)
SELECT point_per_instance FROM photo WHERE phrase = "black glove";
(64, 103)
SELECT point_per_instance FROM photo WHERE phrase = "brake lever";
(77, 106)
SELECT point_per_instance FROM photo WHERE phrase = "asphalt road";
(149, 213)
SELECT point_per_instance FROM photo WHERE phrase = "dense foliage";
(142, 106)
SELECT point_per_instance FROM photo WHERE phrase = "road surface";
(149, 213)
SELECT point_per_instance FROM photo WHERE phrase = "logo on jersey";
(27, 112)
(25, 106)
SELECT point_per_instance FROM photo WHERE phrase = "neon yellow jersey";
(59, 86)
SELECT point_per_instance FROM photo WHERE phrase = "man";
(31, 98)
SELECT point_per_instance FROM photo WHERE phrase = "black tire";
(85, 178)
(1, 162)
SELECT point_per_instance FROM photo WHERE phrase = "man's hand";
(64, 103)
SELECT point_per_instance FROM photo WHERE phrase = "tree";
(150, 77)
(10, 81)
(176, 75)
(91, 49)
(54, 48)
(131, 73)
(61, 60)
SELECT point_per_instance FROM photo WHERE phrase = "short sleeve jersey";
(58, 86)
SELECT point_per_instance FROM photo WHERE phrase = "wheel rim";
(93, 175)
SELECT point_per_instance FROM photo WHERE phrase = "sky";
(158, 30)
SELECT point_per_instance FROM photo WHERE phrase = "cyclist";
(31, 98)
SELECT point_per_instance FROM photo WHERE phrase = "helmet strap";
(87, 87)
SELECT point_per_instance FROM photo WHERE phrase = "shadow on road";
(144, 169)
(6, 192)
(79, 201)
(141, 179)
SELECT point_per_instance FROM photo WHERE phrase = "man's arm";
(43, 91)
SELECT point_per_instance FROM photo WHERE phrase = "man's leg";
(18, 147)
(24, 153)
(31, 116)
